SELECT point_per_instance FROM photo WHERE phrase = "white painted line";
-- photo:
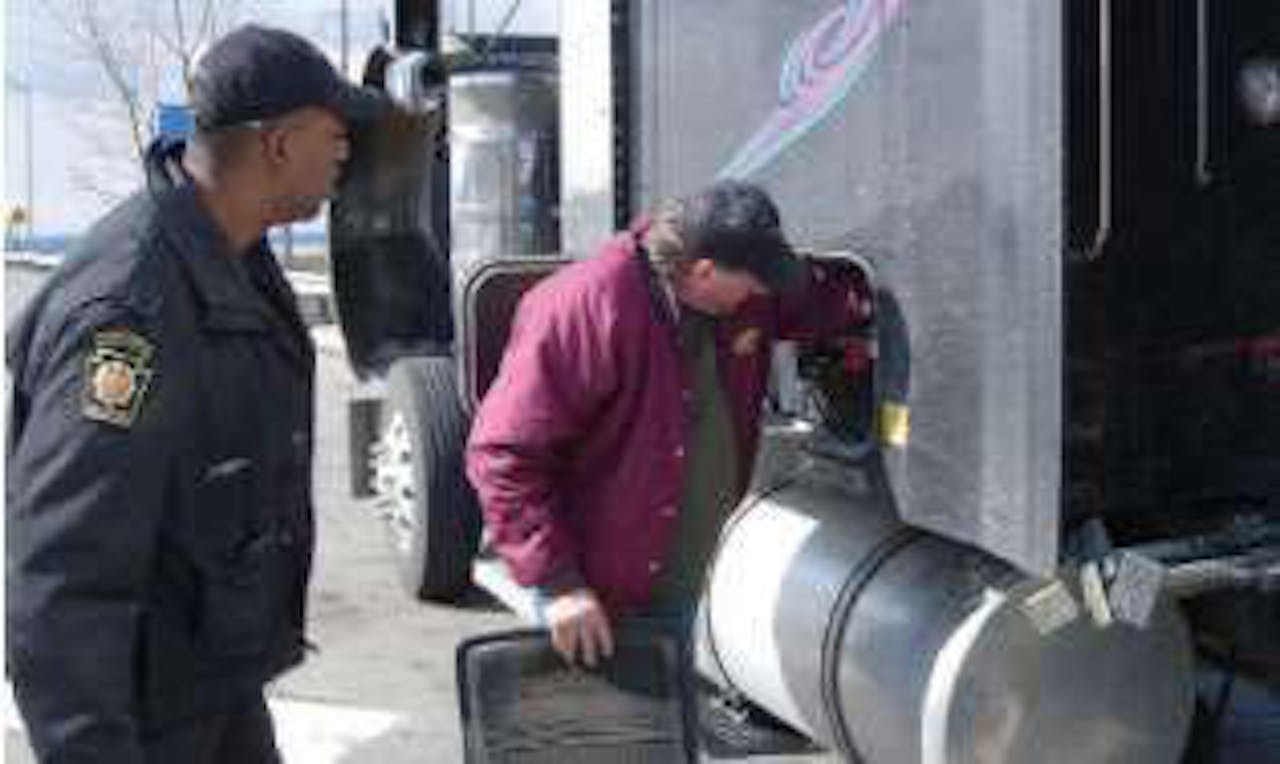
(317, 733)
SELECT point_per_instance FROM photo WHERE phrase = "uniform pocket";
(224, 513)
(225, 538)
(235, 607)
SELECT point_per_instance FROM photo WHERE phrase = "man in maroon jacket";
(622, 426)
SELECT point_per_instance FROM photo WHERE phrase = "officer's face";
(309, 150)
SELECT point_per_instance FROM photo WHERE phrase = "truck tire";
(431, 510)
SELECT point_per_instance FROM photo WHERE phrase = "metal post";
(344, 24)
(24, 88)
(31, 165)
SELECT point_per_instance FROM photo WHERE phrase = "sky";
(66, 142)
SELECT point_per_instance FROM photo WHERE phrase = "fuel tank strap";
(859, 576)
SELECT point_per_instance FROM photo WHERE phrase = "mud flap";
(519, 701)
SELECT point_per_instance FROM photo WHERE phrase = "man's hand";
(578, 622)
(862, 301)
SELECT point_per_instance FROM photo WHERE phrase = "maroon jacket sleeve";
(557, 370)
(835, 302)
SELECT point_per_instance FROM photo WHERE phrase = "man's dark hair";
(733, 223)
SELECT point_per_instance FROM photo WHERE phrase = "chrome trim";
(1204, 176)
(1103, 232)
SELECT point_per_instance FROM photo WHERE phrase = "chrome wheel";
(394, 483)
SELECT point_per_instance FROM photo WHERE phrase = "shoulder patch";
(117, 373)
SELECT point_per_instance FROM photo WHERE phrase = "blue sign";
(174, 120)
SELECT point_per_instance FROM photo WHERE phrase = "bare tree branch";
(135, 49)
(106, 171)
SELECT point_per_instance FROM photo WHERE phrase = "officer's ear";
(275, 138)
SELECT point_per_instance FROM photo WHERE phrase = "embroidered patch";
(117, 372)
(747, 342)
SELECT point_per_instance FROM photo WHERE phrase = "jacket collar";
(194, 235)
(224, 288)
(662, 300)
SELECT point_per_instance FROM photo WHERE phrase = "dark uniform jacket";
(158, 492)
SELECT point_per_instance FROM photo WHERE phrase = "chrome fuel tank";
(503, 165)
(892, 645)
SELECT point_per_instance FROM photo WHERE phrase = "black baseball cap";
(255, 73)
(734, 223)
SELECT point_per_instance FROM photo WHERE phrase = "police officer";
(160, 523)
